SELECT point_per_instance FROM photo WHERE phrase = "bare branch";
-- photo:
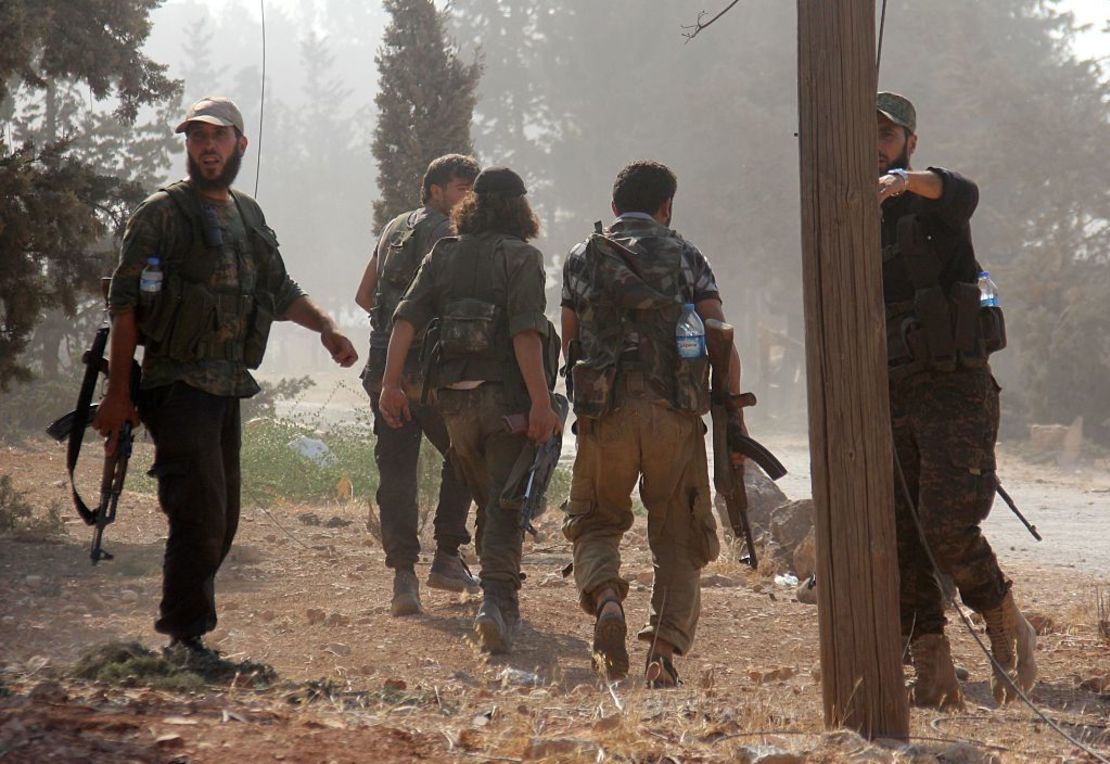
(693, 30)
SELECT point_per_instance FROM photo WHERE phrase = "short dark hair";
(643, 187)
(445, 169)
(502, 213)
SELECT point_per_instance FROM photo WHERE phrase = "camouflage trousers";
(648, 442)
(485, 454)
(945, 426)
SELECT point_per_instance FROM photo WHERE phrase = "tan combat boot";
(1013, 641)
(935, 685)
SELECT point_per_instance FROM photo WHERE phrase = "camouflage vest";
(182, 323)
(404, 248)
(633, 286)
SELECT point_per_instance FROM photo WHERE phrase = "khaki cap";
(898, 109)
(215, 110)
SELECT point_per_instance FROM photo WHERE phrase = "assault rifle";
(543, 466)
(730, 437)
(72, 426)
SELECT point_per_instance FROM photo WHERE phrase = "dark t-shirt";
(947, 225)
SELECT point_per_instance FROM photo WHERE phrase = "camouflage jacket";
(627, 305)
(480, 291)
(248, 271)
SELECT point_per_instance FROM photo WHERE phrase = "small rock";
(340, 649)
(716, 579)
(315, 615)
(337, 619)
(645, 577)
(310, 518)
(267, 615)
(169, 742)
(396, 684)
(337, 522)
(807, 591)
(33, 580)
(515, 677)
(764, 754)
(129, 596)
(49, 692)
(560, 748)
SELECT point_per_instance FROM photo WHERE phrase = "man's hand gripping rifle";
(71, 428)
(544, 464)
(731, 443)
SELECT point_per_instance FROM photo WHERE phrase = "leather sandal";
(610, 654)
(668, 675)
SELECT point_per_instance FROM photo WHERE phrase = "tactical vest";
(470, 338)
(632, 287)
(939, 329)
(405, 247)
(183, 323)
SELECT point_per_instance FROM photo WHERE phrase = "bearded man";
(204, 322)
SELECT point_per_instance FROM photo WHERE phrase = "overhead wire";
(261, 101)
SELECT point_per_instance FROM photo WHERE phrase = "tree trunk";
(850, 438)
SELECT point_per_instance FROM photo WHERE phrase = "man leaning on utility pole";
(400, 249)
(204, 322)
(944, 411)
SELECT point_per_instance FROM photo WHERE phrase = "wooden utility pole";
(849, 411)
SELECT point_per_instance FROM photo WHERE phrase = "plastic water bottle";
(689, 333)
(988, 291)
(150, 281)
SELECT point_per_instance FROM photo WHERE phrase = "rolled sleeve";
(958, 200)
(703, 283)
(287, 292)
(526, 300)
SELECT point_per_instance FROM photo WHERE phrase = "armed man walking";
(944, 407)
(639, 394)
(199, 281)
(492, 353)
(401, 247)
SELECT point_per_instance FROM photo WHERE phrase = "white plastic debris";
(316, 451)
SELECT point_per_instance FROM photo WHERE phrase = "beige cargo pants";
(645, 441)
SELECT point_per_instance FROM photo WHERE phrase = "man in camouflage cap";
(204, 327)
(493, 354)
(944, 406)
(639, 407)
(401, 248)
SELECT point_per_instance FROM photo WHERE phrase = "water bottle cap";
(154, 260)
(688, 306)
(984, 274)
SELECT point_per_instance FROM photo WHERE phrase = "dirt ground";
(312, 601)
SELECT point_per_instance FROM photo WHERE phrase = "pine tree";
(425, 103)
(59, 195)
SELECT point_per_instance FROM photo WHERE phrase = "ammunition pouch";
(183, 321)
(591, 388)
(691, 388)
(469, 328)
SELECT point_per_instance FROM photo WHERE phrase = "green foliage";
(17, 515)
(69, 179)
(131, 664)
(273, 469)
(425, 102)
(98, 42)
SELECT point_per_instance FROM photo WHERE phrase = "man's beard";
(222, 181)
(901, 162)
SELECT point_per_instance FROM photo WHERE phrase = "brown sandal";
(666, 669)
(610, 654)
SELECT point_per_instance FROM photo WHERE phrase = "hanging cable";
(261, 101)
(951, 600)
(879, 53)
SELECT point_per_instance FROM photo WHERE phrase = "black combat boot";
(498, 617)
